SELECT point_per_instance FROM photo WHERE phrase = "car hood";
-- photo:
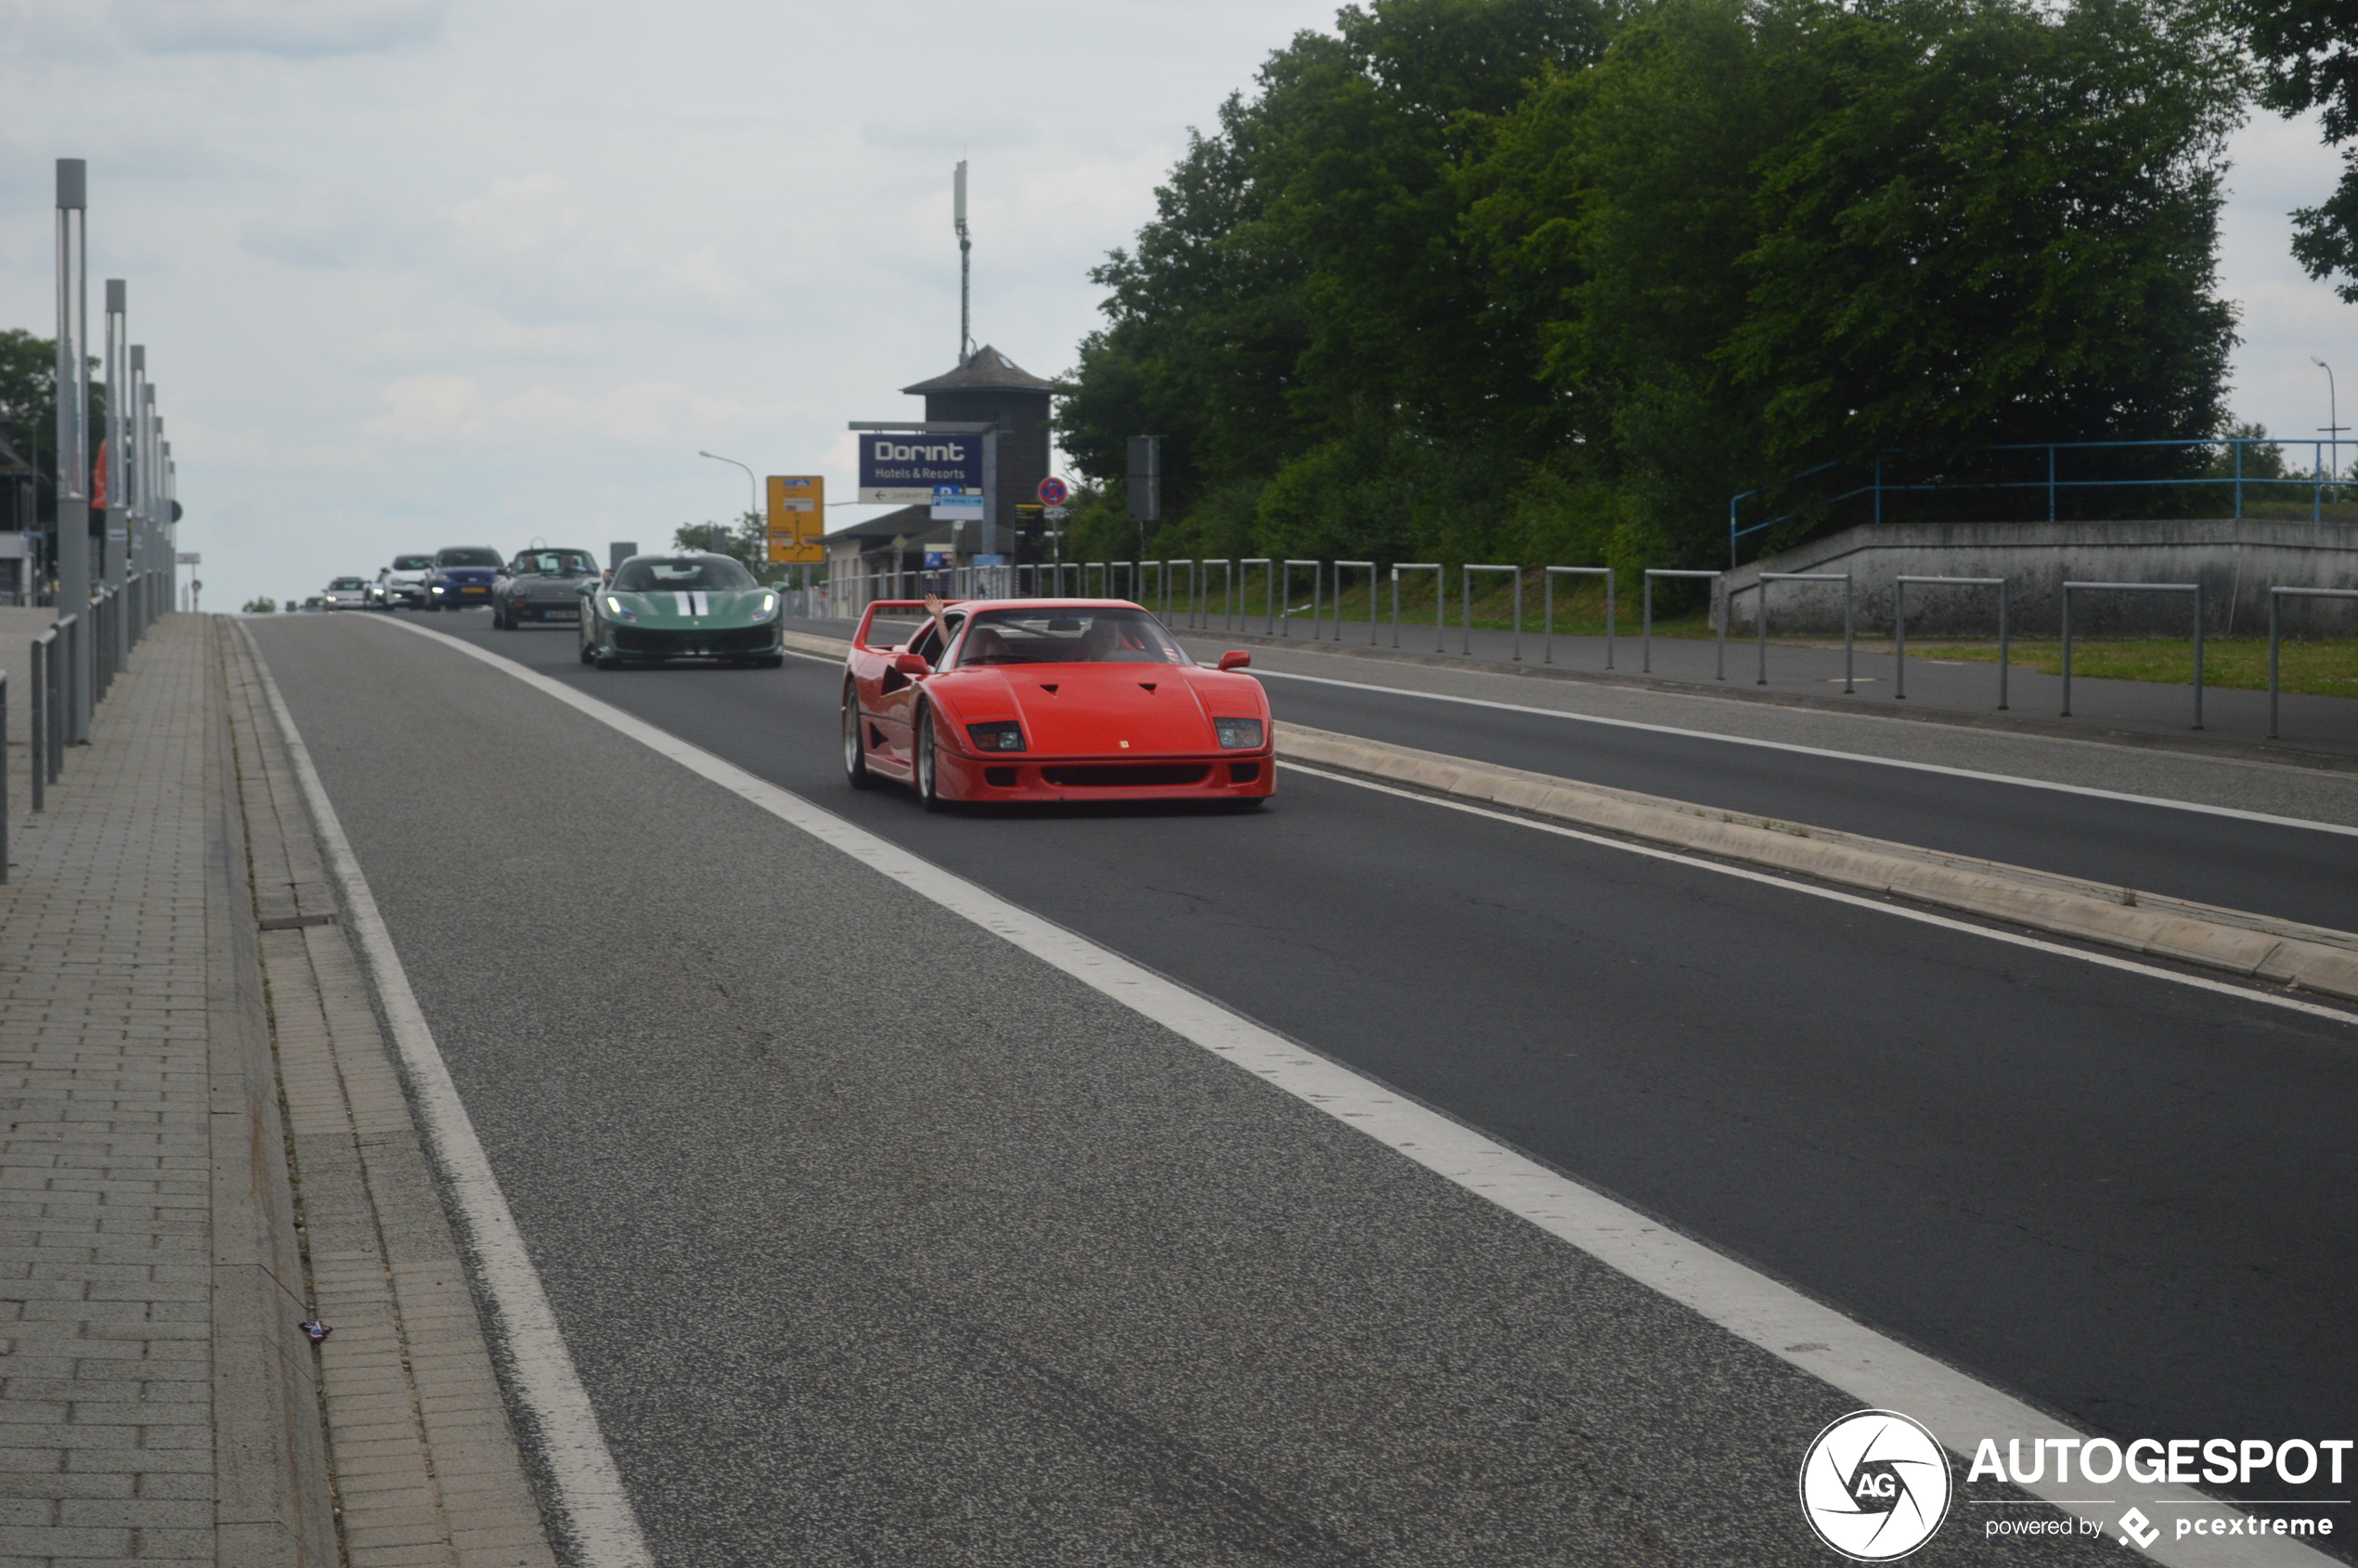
(1090, 709)
(667, 607)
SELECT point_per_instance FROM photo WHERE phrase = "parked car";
(402, 585)
(461, 577)
(686, 606)
(347, 593)
(540, 586)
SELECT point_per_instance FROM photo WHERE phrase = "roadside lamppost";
(2333, 414)
(753, 487)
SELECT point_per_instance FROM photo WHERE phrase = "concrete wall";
(2236, 561)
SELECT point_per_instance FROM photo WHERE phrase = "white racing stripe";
(685, 607)
(1876, 1370)
(596, 1511)
(2088, 790)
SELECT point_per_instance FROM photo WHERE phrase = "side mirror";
(911, 663)
(1236, 660)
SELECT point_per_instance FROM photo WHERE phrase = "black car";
(461, 578)
(541, 585)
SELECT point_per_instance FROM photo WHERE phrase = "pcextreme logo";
(1874, 1485)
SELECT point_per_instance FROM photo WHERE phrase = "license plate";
(475, 590)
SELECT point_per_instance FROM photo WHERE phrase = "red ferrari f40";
(1048, 699)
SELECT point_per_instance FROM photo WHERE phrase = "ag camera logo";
(1875, 1485)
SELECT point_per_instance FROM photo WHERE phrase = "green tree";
(28, 409)
(2308, 54)
(745, 542)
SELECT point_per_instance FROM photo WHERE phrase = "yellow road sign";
(797, 516)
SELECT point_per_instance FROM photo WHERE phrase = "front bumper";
(466, 595)
(1020, 776)
(695, 643)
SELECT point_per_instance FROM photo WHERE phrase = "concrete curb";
(2240, 943)
(272, 1506)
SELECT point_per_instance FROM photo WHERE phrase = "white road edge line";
(2089, 790)
(1881, 906)
(1879, 1371)
(597, 1510)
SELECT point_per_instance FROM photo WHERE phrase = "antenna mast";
(966, 272)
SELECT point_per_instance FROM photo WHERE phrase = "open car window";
(1068, 635)
(928, 644)
(686, 574)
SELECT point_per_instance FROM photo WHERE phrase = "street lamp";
(753, 487)
(2333, 413)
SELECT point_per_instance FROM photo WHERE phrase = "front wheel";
(928, 769)
(855, 756)
(588, 652)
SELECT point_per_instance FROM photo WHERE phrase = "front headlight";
(767, 608)
(437, 587)
(1237, 734)
(1005, 735)
(620, 611)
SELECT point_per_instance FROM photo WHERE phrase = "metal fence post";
(1286, 621)
(2066, 651)
(2275, 594)
(1440, 600)
(2196, 588)
(1369, 567)
(1465, 581)
(2193, 588)
(39, 729)
(1849, 672)
(1548, 577)
(1719, 597)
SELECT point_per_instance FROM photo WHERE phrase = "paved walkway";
(161, 1402)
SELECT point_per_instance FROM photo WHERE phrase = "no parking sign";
(1053, 491)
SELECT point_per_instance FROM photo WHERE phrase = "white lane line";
(1798, 885)
(1876, 1371)
(2089, 790)
(597, 1512)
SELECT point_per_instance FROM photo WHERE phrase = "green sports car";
(686, 606)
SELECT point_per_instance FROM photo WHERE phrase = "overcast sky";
(413, 273)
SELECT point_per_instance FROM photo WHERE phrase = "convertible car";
(685, 606)
(1048, 699)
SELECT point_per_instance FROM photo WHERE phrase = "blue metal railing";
(2324, 474)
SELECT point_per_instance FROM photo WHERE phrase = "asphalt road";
(838, 1203)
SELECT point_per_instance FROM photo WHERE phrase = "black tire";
(588, 652)
(499, 619)
(928, 782)
(855, 754)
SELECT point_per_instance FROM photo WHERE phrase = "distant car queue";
(649, 609)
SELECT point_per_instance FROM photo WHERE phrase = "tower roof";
(987, 370)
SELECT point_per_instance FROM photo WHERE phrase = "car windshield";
(348, 584)
(1074, 634)
(413, 562)
(554, 562)
(688, 573)
(466, 558)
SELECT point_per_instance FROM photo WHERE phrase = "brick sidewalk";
(159, 1404)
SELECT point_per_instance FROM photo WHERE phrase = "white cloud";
(296, 29)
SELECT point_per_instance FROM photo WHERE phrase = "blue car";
(459, 578)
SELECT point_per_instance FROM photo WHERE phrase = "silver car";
(402, 585)
(347, 593)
